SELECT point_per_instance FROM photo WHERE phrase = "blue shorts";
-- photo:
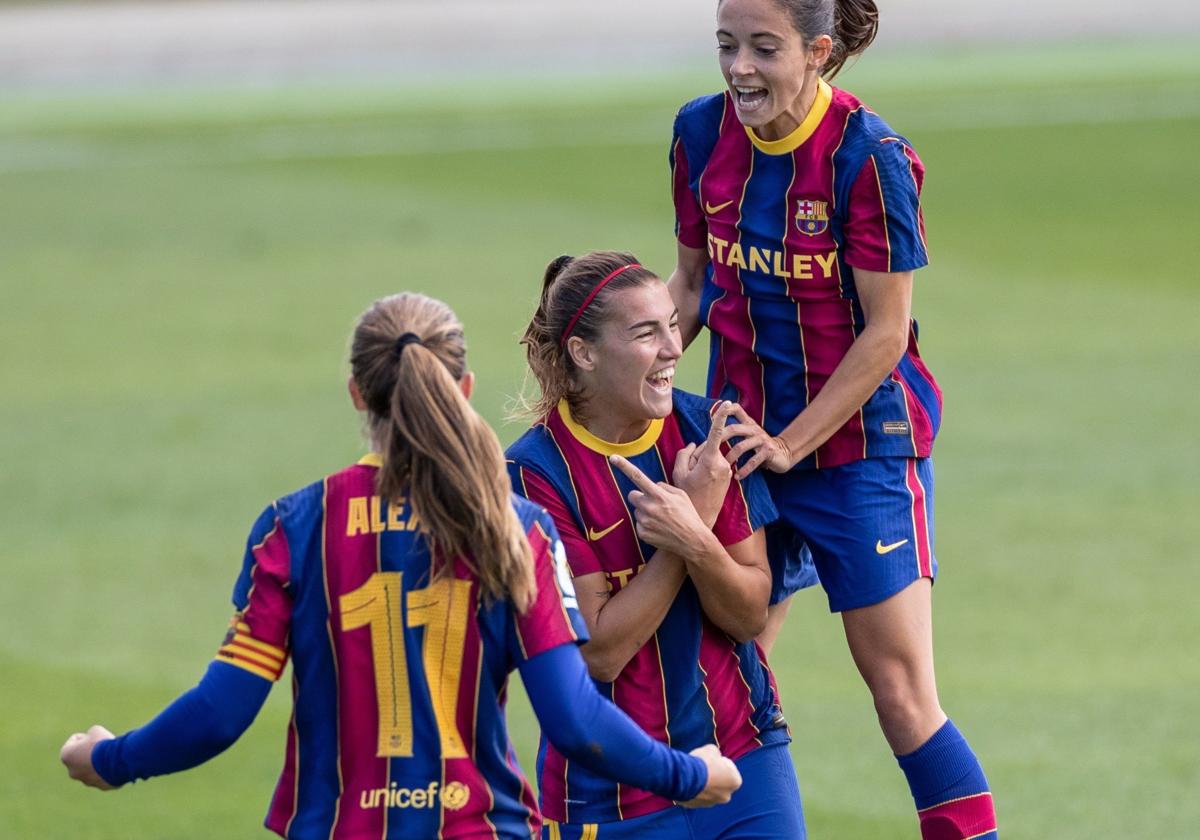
(766, 807)
(868, 525)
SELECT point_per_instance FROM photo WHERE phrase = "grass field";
(179, 274)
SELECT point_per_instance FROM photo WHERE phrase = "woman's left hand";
(76, 754)
(769, 451)
(666, 517)
(702, 471)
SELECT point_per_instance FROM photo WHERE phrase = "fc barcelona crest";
(812, 217)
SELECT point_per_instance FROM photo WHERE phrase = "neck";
(790, 120)
(611, 429)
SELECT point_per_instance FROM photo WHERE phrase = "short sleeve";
(691, 226)
(553, 619)
(885, 229)
(257, 639)
(747, 508)
(748, 504)
(581, 558)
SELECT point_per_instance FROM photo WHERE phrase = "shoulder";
(694, 415)
(865, 131)
(533, 450)
(535, 456)
(302, 501)
(700, 117)
(693, 405)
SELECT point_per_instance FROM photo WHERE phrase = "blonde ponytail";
(408, 356)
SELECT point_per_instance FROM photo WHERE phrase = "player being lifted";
(667, 554)
(404, 589)
(799, 227)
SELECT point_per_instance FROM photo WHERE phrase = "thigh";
(766, 806)
(869, 525)
(669, 823)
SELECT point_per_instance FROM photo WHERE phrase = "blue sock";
(949, 788)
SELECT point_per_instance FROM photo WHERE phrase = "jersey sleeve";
(581, 559)
(885, 229)
(553, 619)
(691, 226)
(747, 506)
(257, 639)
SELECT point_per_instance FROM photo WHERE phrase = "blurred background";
(198, 198)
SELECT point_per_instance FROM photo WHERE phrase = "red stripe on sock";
(959, 819)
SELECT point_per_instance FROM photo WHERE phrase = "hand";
(769, 451)
(723, 778)
(666, 517)
(702, 471)
(76, 754)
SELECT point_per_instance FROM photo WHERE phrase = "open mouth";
(660, 381)
(750, 98)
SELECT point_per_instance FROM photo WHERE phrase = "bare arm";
(620, 623)
(734, 583)
(886, 299)
(686, 282)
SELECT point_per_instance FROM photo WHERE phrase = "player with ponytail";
(798, 228)
(404, 589)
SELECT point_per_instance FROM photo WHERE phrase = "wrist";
(703, 549)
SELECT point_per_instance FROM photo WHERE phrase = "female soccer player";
(799, 227)
(405, 588)
(667, 555)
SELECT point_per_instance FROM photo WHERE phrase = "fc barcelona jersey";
(690, 684)
(785, 224)
(398, 679)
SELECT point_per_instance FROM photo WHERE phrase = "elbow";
(602, 666)
(571, 740)
(749, 628)
(894, 343)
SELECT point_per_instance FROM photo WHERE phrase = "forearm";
(872, 356)
(589, 729)
(199, 725)
(733, 596)
(685, 287)
(627, 619)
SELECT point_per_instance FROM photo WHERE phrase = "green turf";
(180, 271)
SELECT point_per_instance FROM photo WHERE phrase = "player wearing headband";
(404, 589)
(667, 554)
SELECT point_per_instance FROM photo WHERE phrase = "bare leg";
(776, 613)
(892, 645)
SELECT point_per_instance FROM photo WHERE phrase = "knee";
(902, 700)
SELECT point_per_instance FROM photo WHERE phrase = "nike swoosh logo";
(712, 211)
(880, 548)
(594, 535)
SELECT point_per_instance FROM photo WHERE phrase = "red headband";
(587, 301)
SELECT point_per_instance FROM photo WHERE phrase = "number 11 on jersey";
(444, 609)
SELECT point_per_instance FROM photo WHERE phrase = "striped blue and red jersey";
(691, 684)
(398, 679)
(785, 224)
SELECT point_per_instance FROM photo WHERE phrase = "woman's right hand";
(723, 778)
(76, 754)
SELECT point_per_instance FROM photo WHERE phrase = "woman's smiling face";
(628, 370)
(765, 62)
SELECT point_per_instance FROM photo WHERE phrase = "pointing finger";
(639, 478)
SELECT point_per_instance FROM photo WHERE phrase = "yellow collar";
(626, 450)
(371, 459)
(789, 144)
